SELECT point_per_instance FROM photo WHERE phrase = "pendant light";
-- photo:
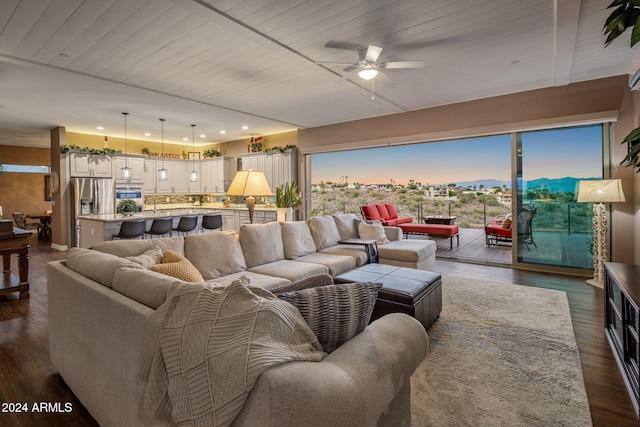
(193, 176)
(163, 173)
(125, 172)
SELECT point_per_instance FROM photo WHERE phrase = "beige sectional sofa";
(100, 302)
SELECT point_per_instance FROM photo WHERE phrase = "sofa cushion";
(391, 209)
(177, 266)
(337, 264)
(128, 247)
(256, 279)
(370, 212)
(347, 225)
(324, 231)
(145, 286)
(374, 231)
(407, 250)
(215, 254)
(147, 258)
(382, 209)
(335, 313)
(357, 252)
(97, 266)
(261, 243)
(297, 239)
(290, 270)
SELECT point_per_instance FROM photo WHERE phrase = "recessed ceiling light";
(147, 134)
(203, 135)
(185, 139)
(245, 127)
(100, 127)
(222, 132)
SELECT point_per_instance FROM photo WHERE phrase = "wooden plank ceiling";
(228, 63)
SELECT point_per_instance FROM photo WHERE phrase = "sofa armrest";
(393, 233)
(358, 384)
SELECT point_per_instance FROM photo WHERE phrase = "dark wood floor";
(27, 376)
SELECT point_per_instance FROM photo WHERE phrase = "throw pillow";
(215, 254)
(177, 266)
(148, 258)
(261, 243)
(335, 313)
(374, 231)
(297, 239)
(506, 223)
(324, 231)
(347, 225)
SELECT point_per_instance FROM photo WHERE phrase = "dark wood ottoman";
(417, 293)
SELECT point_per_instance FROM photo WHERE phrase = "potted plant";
(626, 15)
(287, 199)
(145, 150)
(127, 207)
(213, 152)
(256, 144)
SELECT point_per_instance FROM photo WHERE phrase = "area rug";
(500, 355)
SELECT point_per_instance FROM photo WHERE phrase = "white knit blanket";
(210, 344)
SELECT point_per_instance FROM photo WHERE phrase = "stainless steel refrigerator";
(89, 196)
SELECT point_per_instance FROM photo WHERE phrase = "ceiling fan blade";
(403, 64)
(373, 52)
(350, 68)
(333, 63)
(344, 45)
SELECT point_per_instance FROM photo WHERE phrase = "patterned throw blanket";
(210, 344)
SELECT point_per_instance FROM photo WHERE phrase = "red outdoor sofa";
(386, 213)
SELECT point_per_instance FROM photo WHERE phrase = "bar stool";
(187, 224)
(131, 229)
(160, 227)
(211, 222)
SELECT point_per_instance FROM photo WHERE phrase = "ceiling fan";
(368, 66)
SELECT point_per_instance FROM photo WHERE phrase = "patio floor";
(573, 249)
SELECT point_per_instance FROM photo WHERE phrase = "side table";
(445, 220)
(16, 242)
(370, 246)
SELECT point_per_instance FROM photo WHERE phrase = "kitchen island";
(93, 229)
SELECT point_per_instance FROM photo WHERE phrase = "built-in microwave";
(133, 192)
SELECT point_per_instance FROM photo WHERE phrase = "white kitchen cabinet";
(83, 165)
(279, 168)
(216, 174)
(179, 176)
(150, 176)
(135, 163)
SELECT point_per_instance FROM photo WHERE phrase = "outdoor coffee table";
(417, 293)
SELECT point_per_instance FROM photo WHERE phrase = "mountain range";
(567, 184)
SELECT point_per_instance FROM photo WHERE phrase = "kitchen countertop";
(165, 212)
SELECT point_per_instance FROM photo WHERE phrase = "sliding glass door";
(554, 230)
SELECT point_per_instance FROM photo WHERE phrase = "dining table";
(44, 232)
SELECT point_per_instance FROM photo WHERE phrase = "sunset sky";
(552, 154)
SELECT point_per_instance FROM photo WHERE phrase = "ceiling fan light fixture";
(367, 73)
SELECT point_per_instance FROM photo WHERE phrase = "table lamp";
(600, 192)
(248, 184)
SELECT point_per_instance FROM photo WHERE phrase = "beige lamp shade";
(249, 183)
(600, 191)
